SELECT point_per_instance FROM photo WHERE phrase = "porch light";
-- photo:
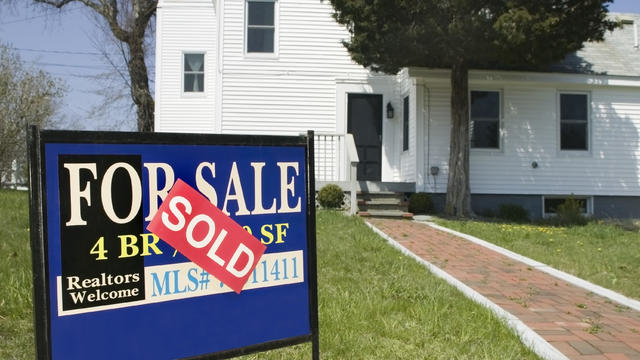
(389, 111)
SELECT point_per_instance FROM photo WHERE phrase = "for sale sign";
(167, 246)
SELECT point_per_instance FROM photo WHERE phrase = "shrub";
(331, 196)
(513, 212)
(570, 213)
(420, 203)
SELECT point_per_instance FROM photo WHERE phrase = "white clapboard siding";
(185, 26)
(437, 135)
(294, 90)
(530, 132)
(407, 157)
(302, 87)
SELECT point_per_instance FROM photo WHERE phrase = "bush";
(331, 196)
(513, 212)
(420, 203)
(570, 213)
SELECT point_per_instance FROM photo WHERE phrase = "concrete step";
(382, 201)
(376, 186)
(379, 195)
(374, 206)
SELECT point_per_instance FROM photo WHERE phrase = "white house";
(278, 67)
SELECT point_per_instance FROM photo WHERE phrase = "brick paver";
(578, 323)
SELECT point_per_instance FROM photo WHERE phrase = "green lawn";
(16, 309)
(605, 254)
(374, 303)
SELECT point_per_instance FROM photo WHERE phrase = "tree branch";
(109, 12)
(128, 21)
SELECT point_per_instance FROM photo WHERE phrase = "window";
(261, 28)
(485, 119)
(405, 124)
(574, 122)
(551, 204)
(193, 72)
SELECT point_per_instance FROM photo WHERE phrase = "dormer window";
(261, 26)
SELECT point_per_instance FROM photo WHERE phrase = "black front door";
(364, 122)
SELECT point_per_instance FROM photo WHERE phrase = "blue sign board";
(106, 288)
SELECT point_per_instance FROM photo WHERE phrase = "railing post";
(353, 184)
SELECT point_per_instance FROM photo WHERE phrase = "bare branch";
(57, 4)
(128, 22)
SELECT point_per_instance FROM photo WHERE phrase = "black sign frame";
(36, 141)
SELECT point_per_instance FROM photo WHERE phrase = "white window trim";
(571, 153)
(193, 94)
(589, 204)
(276, 37)
(500, 149)
(402, 150)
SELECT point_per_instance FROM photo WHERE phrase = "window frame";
(184, 73)
(406, 108)
(589, 143)
(498, 149)
(276, 25)
(587, 198)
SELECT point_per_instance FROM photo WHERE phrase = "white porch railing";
(13, 178)
(336, 161)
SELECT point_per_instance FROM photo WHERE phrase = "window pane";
(551, 204)
(260, 40)
(405, 124)
(194, 62)
(260, 13)
(485, 104)
(573, 107)
(573, 136)
(193, 82)
(485, 134)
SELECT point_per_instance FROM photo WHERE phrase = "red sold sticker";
(207, 236)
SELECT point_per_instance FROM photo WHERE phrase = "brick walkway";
(578, 323)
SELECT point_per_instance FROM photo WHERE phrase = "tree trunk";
(140, 84)
(458, 193)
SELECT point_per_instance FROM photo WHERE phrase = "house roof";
(616, 55)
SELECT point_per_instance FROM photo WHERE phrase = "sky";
(68, 45)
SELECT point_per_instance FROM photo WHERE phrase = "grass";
(374, 303)
(16, 309)
(603, 253)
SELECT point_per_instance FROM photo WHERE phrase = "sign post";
(166, 246)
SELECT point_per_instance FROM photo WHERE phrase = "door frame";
(387, 87)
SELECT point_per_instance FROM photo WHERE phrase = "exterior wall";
(180, 28)
(436, 101)
(303, 86)
(485, 203)
(407, 158)
(621, 207)
(616, 207)
(530, 132)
